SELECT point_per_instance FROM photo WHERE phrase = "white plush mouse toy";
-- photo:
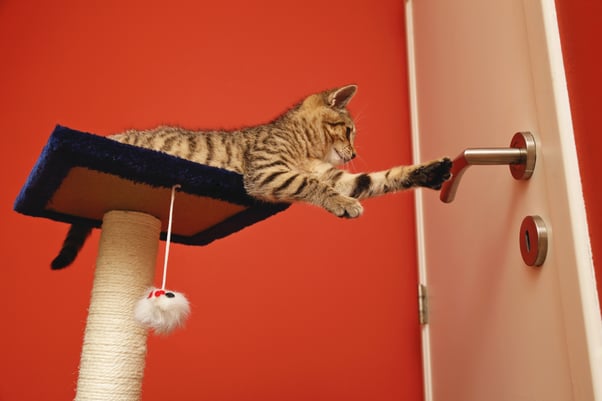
(162, 310)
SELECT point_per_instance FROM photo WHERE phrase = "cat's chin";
(335, 158)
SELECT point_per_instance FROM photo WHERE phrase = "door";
(498, 329)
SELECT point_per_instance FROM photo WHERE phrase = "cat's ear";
(338, 98)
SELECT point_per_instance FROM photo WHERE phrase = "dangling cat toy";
(163, 310)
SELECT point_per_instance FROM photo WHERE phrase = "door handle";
(520, 156)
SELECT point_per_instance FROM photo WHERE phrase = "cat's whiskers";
(358, 160)
(349, 166)
(358, 117)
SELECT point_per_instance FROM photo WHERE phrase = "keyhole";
(527, 241)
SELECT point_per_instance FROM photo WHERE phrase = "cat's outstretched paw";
(344, 206)
(432, 175)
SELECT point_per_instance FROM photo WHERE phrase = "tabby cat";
(291, 159)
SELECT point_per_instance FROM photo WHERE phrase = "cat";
(293, 158)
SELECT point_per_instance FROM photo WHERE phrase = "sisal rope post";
(114, 348)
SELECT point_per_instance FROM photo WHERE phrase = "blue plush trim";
(67, 148)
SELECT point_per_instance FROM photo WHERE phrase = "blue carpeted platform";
(80, 176)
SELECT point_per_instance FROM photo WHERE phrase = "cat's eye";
(348, 133)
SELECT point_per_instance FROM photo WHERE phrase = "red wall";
(581, 34)
(301, 306)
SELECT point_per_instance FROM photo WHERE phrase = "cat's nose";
(353, 156)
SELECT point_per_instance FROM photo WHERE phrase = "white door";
(481, 70)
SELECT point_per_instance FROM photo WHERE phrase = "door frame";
(583, 327)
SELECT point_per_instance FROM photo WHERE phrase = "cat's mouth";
(337, 158)
(345, 158)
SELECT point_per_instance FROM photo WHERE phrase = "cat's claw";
(433, 175)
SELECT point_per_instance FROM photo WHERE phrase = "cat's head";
(329, 113)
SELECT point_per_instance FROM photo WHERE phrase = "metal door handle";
(520, 156)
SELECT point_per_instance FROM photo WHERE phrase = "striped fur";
(295, 157)
(291, 159)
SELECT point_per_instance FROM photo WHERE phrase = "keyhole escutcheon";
(533, 240)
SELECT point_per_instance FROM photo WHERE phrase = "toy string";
(168, 239)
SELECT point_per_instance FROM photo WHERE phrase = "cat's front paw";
(344, 206)
(432, 175)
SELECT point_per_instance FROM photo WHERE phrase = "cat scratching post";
(114, 350)
(85, 178)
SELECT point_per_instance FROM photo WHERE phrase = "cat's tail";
(74, 241)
